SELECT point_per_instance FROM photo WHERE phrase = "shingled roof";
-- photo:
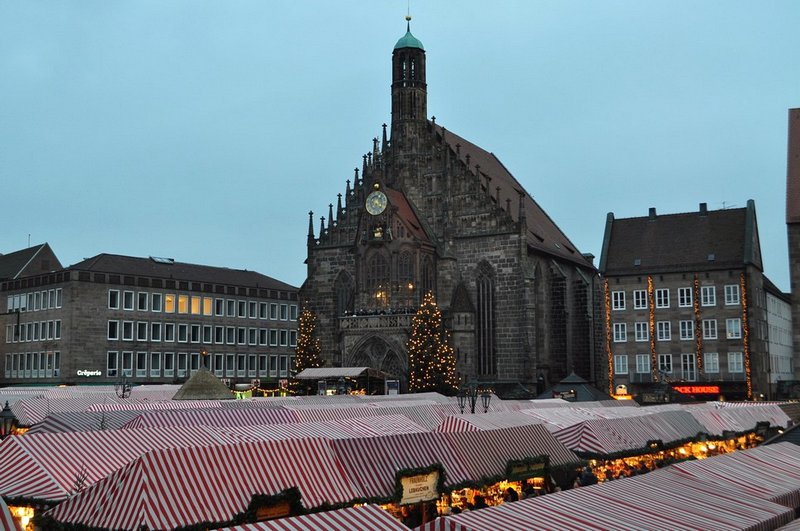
(168, 269)
(543, 234)
(13, 265)
(694, 241)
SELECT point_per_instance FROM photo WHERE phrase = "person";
(412, 516)
(588, 477)
(511, 495)
(480, 502)
(529, 491)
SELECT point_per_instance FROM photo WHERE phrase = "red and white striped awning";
(487, 421)
(363, 518)
(213, 417)
(339, 429)
(8, 523)
(50, 466)
(180, 487)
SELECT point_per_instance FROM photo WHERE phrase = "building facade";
(685, 303)
(779, 341)
(430, 211)
(793, 230)
(152, 320)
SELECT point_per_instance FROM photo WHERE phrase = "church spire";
(409, 88)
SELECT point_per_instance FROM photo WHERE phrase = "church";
(431, 211)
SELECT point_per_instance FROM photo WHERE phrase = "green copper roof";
(409, 41)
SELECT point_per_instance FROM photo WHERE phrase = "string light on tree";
(609, 352)
(308, 350)
(431, 358)
(746, 336)
(698, 325)
(651, 301)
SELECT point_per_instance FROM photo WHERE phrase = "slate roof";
(12, 264)
(793, 169)
(692, 241)
(130, 265)
(203, 386)
(543, 234)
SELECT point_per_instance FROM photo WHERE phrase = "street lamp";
(8, 422)
(470, 394)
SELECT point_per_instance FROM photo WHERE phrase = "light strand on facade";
(698, 328)
(746, 336)
(651, 301)
(609, 352)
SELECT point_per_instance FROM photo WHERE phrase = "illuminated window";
(169, 303)
(196, 301)
(183, 304)
(208, 306)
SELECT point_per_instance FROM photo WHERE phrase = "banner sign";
(420, 488)
(522, 470)
(697, 389)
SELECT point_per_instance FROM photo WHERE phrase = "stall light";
(712, 446)
(23, 514)
(682, 451)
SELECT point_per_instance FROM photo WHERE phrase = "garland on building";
(651, 301)
(431, 358)
(746, 336)
(308, 350)
(698, 326)
(609, 352)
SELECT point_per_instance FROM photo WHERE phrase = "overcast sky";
(206, 130)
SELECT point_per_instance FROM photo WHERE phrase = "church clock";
(376, 202)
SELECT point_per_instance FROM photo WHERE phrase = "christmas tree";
(431, 359)
(307, 352)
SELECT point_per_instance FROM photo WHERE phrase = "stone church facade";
(430, 211)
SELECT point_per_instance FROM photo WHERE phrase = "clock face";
(376, 202)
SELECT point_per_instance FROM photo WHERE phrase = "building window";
(284, 338)
(735, 363)
(687, 330)
(127, 330)
(377, 282)
(230, 365)
(620, 364)
(273, 366)
(262, 336)
(252, 336)
(113, 299)
(663, 330)
(169, 303)
(252, 307)
(642, 331)
(183, 304)
(230, 335)
(241, 335)
(241, 361)
(169, 364)
(183, 332)
(113, 330)
(111, 363)
(733, 327)
(242, 305)
(689, 366)
(662, 298)
(219, 335)
(273, 338)
(231, 307)
(284, 312)
(708, 296)
(155, 364)
(487, 363)
(665, 363)
(731, 294)
(155, 302)
(639, 299)
(208, 332)
(709, 329)
(127, 364)
(642, 363)
(620, 332)
(141, 301)
(195, 333)
(292, 338)
(273, 311)
(155, 331)
(711, 362)
(251, 365)
(617, 300)
(196, 303)
(181, 364)
(169, 332)
(59, 298)
(685, 297)
(141, 331)
(127, 300)
(263, 310)
(208, 306)
(293, 312)
(219, 307)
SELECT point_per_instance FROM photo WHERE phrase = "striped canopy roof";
(657, 501)
(7, 521)
(365, 517)
(178, 487)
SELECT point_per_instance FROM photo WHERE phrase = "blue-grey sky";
(206, 130)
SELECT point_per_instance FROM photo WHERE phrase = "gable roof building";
(686, 303)
(430, 211)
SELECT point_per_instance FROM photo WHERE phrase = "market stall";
(363, 517)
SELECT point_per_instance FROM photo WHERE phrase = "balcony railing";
(373, 322)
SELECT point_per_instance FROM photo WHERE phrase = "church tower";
(409, 92)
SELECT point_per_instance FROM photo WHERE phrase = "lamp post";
(469, 395)
(8, 422)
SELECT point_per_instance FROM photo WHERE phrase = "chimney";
(652, 213)
(703, 209)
